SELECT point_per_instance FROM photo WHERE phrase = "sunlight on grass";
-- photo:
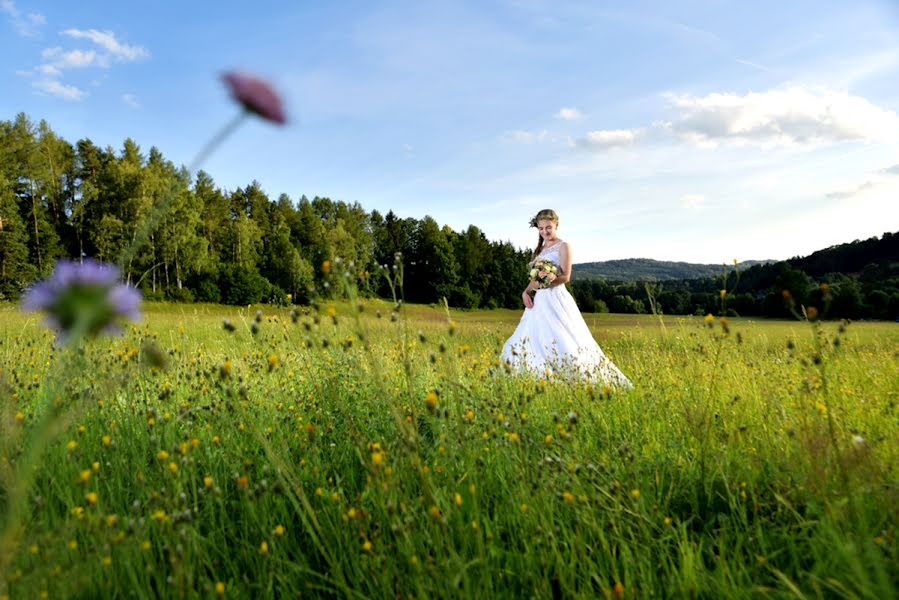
(382, 452)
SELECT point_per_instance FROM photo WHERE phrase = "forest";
(59, 199)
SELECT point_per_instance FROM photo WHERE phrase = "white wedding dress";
(552, 339)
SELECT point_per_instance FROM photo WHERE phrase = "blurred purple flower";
(256, 95)
(84, 298)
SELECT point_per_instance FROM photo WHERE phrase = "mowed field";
(369, 450)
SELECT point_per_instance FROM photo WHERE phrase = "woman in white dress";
(552, 337)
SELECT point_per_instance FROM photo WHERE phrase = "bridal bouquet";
(543, 272)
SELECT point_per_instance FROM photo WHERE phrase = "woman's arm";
(526, 295)
(565, 268)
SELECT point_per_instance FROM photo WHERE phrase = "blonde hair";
(547, 214)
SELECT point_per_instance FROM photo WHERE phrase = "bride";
(552, 337)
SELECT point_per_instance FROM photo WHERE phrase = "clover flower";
(256, 96)
(84, 299)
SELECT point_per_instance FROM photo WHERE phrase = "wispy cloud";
(693, 202)
(894, 170)
(610, 138)
(846, 194)
(568, 113)
(783, 117)
(130, 100)
(107, 40)
(58, 89)
(524, 136)
(788, 117)
(56, 61)
(754, 65)
(26, 25)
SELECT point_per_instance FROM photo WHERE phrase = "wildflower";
(173, 467)
(256, 96)
(84, 298)
(722, 293)
(106, 560)
(366, 546)
(145, 545)
(19, 417)
(431, 400)
(207, 481)
(619, 589)
(523, 507)
(326, 266)
(73, 545)
(458, 500)
(279, 530)
(568, 497)
(71, 445)
(811, 313)
(84, 476)
(263, 548)
(635, 493)
(272, 361)
(435, 511)
(162, 455)
(219, 588)
(377, 458)
(91, 497)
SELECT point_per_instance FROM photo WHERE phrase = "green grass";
(735, 468)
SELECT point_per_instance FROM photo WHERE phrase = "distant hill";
(647, 269)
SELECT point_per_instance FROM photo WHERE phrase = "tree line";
(239, 247)
(59, 199)
(854, 280)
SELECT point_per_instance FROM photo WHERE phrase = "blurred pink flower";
(256, 95)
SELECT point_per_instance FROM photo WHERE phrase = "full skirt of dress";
(552, 339)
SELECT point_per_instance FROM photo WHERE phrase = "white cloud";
(695, 202)
(610, 138)
(130, 100)
(107, 40)
(27, 25)
(849, 193)
(524, 136)
(73, 59)
(49, 70)
(796, 115)
(754, 65)
(568, 113)
(894, 170)
(58, 89)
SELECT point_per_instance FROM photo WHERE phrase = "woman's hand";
(526, 295)
(528, 301)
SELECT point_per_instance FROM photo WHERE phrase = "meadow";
(378, 450)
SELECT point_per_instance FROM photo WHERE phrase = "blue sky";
(697, 131)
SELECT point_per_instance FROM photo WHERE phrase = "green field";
(356, 454)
